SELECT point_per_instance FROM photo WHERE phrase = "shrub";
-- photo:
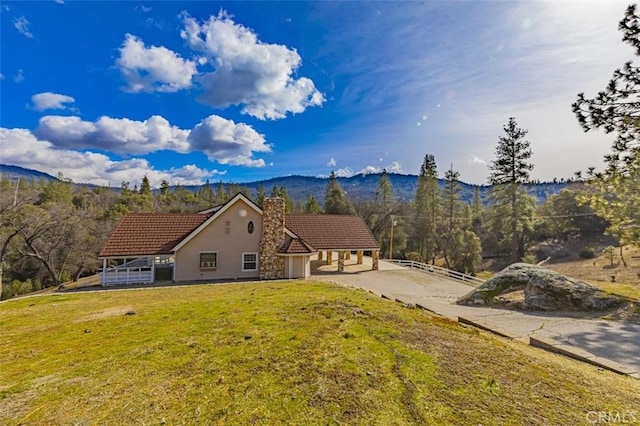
(414, 256)
(530, 258)
(587, 253)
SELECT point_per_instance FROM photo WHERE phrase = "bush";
(587, 253)
(17, 287)
(414, 256)
(530, 258)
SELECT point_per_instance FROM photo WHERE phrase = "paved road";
(611, 340)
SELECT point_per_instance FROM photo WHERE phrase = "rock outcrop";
(544, 290)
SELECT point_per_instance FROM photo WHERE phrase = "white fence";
(119, 275)
(442, 272)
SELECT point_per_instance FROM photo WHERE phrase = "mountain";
(13, 173)
(359, 187)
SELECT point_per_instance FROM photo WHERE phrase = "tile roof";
(296, 246)
(327, 231)
(140, 234)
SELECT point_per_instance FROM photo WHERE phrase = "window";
(250, 227)
(249, 261)
(209, 260)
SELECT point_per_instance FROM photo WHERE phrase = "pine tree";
(509, 171)
(451, 204)
(427, 209)
(615, 194)
(312, 206)
(260, 194)
(145, 186)
(335, 201)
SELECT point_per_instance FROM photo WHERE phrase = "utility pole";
(393, 223)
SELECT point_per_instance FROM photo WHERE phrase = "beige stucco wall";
(298, 267)
(230, 247)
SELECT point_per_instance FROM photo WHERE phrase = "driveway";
(611, 340)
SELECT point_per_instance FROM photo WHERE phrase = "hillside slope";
(277, 353)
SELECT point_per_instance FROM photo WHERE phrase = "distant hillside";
(359, 187)
(13, 173)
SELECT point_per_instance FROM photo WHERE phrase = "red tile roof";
(140, 234)
(327, 231)
(296, 246)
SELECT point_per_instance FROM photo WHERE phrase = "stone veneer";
(272, 265)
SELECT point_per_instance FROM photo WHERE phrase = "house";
(237, 240)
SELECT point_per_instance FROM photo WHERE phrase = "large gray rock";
(544, 290)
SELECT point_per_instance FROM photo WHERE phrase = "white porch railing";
(119, 275)
(442, 272)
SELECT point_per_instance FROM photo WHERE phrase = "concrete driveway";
(596, 341)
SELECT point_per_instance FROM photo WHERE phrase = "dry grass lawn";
(278, 353)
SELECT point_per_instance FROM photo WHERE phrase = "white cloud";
(48, 100)
(1, 76)
(220, 139)
(395, 167)
(332, 162)
(248, 72)
(19, 76)
(369, 170)
(119, 135)
(344, 172)
(227, 142)
(59, 1)
(477, 160)
(22, 25)
(20, 146)
(145, 9)
(153, 69)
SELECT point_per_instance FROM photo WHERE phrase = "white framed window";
(208, 260)
(249, 261)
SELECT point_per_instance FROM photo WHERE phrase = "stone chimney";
(272, 265)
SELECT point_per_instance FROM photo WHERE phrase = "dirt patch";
(107, 313)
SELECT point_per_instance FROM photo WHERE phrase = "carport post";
(374, 260)
(359, 255)
(329, 257)
(340, 261)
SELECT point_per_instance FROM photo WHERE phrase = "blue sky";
(106, 92)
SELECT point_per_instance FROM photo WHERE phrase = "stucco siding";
(229, 237)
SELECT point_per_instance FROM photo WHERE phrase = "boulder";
(544, 290)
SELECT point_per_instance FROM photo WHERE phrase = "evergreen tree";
(614, 194)
(312, 206)
(145, 186)
(335, 201)
(509, 170)
(452, 206)
(427, 210)
(260, 194)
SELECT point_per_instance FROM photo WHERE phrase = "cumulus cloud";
(49, 100)
(22, 25)
(332, 162)
(20, 146)
(220, 139)
(395, 167)
(153, 69)
(247, 71)
(369, 170)
(344, 172)
(119, 135)
(477, 160)
(227, 142)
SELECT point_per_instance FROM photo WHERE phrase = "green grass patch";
(273, 353)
